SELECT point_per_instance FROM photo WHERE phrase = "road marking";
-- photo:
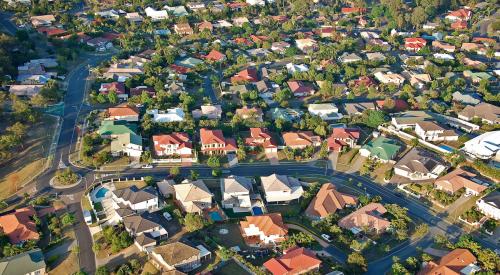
(62, 165)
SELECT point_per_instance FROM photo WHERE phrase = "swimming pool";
(257, 210)
(215, 216)
(446, 147)
(101, 193)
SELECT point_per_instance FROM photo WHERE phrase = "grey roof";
(24, 263)
(234, 184)
(358, 107)
(145, 239)
(124, 211)
(134, 195)
(411, 117)
(472, 99)
(493, 198)
(138, 224)
(418, 160)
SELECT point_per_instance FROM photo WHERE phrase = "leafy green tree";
(357, 262)
(214, 161)
(373, 118)
(67, 219)
(193, 222)
(112, 97)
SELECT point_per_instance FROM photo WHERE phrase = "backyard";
(19, 170)
(231, 268)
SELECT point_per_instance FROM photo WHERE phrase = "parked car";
(167, 216)
(147, 166)
(326, 237)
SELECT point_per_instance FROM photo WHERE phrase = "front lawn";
(126, 184)
(231, 268)
(346, 159)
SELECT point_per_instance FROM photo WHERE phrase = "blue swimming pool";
(101, 192)
(257, 210)
(215, 216)
(446, 147)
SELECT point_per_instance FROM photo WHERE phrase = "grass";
(117, 164)
(233, 238)
(378, 174)
(19, 170)
(65, 264)
(149, 268)
(231, 268)
(126, 184)
(86, 203)
(345, 160)
(453, 215)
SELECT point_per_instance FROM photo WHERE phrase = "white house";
(256, 2)
(281, 188)
(327, 111)
(263, 230)
(236, 193)
(138, 200)
(128, 144)
(293, 68)
(430, 131)
(485, 146)
(170, 115)
(489, 205)
(389, 78)
(156, 15)
(419, 165)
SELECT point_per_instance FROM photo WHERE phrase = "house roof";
(180, 139)
(418, 160)
(123, 110)
(121, 141)
(19, 225)
(301, 138)
(24, 263)
(295, 260)
(277, 182)
(399, 104)
(451, 263)
(112, 127)
(367, 216)
(192, 191)
(245, 111)
(345, 133)
(483, 110)
(211, 136)
(358, 107)
(138, 223)
(429, 126)
(215, 55)
(176, 253)
(493, 199)
(248, 74)
(269, 224)
(459, 179)
(411, 117)
(134, 195)
(236, 184)
(382, 148)
(328, 200)
(300, 87)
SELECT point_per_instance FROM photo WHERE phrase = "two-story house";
(430, 131)
(213, 142)
(301, 139)
(193, 196)
(281, 188)
(174, 144)
(260, 137)
(139, 200)
(177, 257)
(342, 137)
(263, 230)
(419, 165)
(236, 193)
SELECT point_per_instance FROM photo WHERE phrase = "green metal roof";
(382, 148)
(109, 127)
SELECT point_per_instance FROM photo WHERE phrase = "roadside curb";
(61, 187)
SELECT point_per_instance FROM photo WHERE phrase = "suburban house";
(327, 201)
(260, 137)
(263, 230)
(327, 111)
(342, 137)
(389, 78)
(113, 128)
(350, 58)
(458, 261)
(281, 188)
(178, 256)
(294, 261)
(306, 45)
(487, 112)
(443, 46)
(354, 109)
(458, 179)
(145, 230)
(489, 205)
(123, 112)
(183, 29)
(301, 88)
(431, 131)
(126, 144)
(247, 75)
(205, 25)
(459, 15)
(215, 56)
(381, 149)
(419, 164)
(193, 196)
(134, 17)
(208, 111)
(414, 44)
(409, 119)
(19, 225)
(368, 217)
(301, 139)
(250, 113)
(467, 98)
(25, 90)
(117, 87)
(169, 115)
(42, 20)
(484, 146)
(30, 263)
(287, 114)
(173, 145)
(156, 15)
(139, 200)
(236, 192)
(214, 142)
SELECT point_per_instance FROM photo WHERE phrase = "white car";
(326, 238)
(167, 216)
(147, 166)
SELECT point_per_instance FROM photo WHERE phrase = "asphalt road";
(5, 21)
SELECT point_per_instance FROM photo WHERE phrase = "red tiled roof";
(215, 55)
(248, 74)
(260, 137)
(51, 31)
(180, 69)
(415, 43)
(399, 104)
(211, 136)
(451, 263)
(237, 5)
(459, 25)
(180, 139)
(19, 225)
(118, 87)
(301, 138)
(463, 14)
(348, 10)
(328, 200)
(369, 215)
(269, 224)
(295, 260)
(244, 41)
(123, 110)
(299, 87)
(259, 38)
(138, 91)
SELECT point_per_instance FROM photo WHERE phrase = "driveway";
(273, 158)
(333, 157)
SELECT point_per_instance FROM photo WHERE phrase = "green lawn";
(231, 268)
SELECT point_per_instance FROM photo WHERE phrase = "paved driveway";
(333, 157)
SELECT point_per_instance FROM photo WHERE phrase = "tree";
(194, 174)
(213, 161)
(102, 270)
(373, 118)
(357, 262)
(193, 222)
(174, 171)
(418, 16)
(67, 219)
(149, 180)
(414, 142)
(112, 97)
